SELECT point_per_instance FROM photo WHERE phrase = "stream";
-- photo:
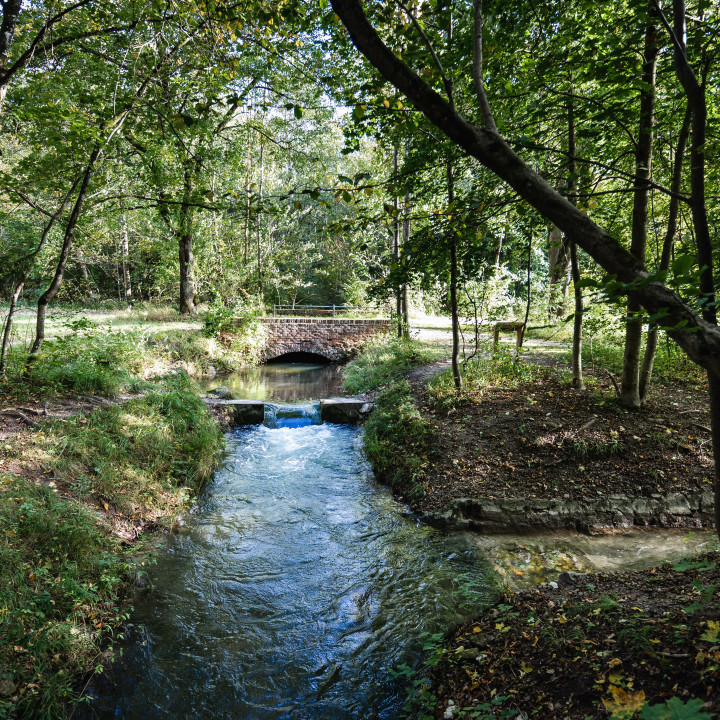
(292, 587)
(297, 583)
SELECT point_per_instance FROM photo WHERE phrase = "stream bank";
(519, 450)
(77, 493)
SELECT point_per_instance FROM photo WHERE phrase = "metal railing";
(327, 310)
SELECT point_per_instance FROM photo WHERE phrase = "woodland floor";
(616, 645)
(543, 439)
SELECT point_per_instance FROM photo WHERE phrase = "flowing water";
(290, 590)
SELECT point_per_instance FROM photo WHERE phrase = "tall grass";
(148, 453)
(397, 440)
(90, 360)
(61, 573)
(481, 373)
(385, 359)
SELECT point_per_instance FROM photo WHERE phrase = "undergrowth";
(94, 360)
(397, 439)
(152, 451)
(62, 573)
(478, 375)
(385, 359)
(61, 578)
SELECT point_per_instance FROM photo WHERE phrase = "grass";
(90, 359)
(398, 438)
(143, 456)
(384, 360)
(478, 375)
(61, 578)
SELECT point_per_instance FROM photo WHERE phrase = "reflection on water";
(282, 382)
(289, 591)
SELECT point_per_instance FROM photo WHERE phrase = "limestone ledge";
(591, 516)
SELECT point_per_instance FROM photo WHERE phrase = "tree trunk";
(578, 381)
(668, 241)
(630, 387)
(558, 270)
(9, 320)
(259, 247)
(455, 362)
(577, 369)
(186, 255)
(404, 303)
(7, 330)
(46, 298)
(188, 287)
(695, 93)
(125, 254)
(87, 280)
(396, 248)
(246, 252)
(10, 14)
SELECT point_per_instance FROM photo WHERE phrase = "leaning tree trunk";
(46, 298)
(9, 320)
(630, 387)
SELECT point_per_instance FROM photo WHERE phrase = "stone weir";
(341, 411)
(332, 338)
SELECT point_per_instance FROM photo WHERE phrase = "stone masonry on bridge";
(332, 338)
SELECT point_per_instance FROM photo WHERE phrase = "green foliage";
(152, 451)
(675, 709)
(478, 375)
(240, 330)
(397, 439)
(60, 582)
(88, 360)
(385, 359)
(220, 318)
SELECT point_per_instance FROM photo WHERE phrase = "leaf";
(297, 111)
(681, 265)
(623, 704)
(675, 709)
(711, 634)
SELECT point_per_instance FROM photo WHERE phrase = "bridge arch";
(297, 352)
(334, 339)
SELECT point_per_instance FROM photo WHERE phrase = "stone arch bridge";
(334, 339)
